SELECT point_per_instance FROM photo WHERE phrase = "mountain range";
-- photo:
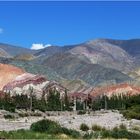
(92, 63)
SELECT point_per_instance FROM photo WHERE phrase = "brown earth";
(124, 88)
(8, 73)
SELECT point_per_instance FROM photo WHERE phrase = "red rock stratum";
(124, 88)
(8, 73)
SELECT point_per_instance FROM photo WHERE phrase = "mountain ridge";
(93, 62)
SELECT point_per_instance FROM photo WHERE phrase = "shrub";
(48, 114)
(122, 127)
(52, 127)
(84, 127)
(81, 112)
(124, 134)
(88, 135)
(105, 133)
(73, 117)
(96, 128)
(23, 114)
(103, 129)
(10, 109)
(71, 132)
(115, 129)
(136, 128)
(119, 133)
(130, 114)
(48, 126)
(8, 116)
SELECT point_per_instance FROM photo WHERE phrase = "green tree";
(41, 104)
(53, 101)
(66, 102)
(21, 101)
(8, 103)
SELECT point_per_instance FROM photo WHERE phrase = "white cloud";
(1, 30)
(39, 46)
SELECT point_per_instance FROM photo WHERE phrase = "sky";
(41, 24)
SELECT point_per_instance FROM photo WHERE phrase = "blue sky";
(63, 23)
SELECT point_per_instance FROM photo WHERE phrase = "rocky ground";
(106, 119)
(21, 123)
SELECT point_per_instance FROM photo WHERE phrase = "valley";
(95, 81)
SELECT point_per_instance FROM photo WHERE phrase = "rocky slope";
(25, 84)
(95, 62)
(24, 57)
(76, 86)
(8, 73)
(3, 53)
(101, 52)
(74, 67)
(135, 74)
(13, 50)
(106, 52)
(131, 46)
(118, 89)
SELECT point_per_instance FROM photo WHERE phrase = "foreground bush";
(84, 127)
(48, 126)
(96, 128)
(88, 135)
(52, 127)
(110, 134)
(130, 114)
(122, 133)
(71, 132)
(122, 127)
(119, 133)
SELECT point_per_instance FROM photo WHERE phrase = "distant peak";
(98, 40)
(101, 40)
